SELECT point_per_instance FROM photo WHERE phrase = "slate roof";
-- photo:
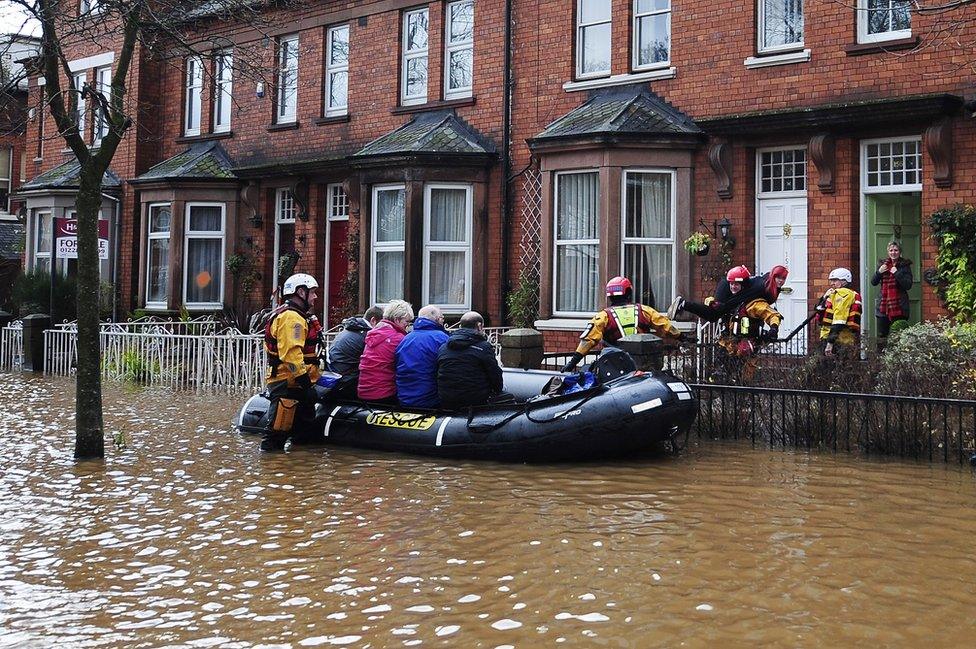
(621, 112)
(430, 133)
(11, 239)
(66, 176)
(202, 161)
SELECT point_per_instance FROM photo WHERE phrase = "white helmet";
(842, 274)
(295, 281)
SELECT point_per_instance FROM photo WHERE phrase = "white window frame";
(193, 99)
(49, 255)
(409, 55)
(91, 7)
(580, 26)
(103, 84)
(284, 216)
(223, 90)
(457, 46)
(338, 206)
(761, 31)
(286, 112)
(886, 189)
(638, 241)
(862, 27)
(333, 68)
(80, 78)
(156, 236)
(204, 234)
(794, 193)
(635, 39)
(382, 246)
(5, 208)
(449, 246)
(568, 242)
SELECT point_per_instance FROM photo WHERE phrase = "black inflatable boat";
(621, 416)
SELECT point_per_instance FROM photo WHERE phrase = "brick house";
(376, 142)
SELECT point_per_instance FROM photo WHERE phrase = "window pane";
(782, 22)
(654, 39)
(417, 77)
(594, 10)
(462, 22)
(448, 220)
(461, 64)
(205, 218)
(339, 52)
(578, 206)
(643, 6)
(389, 275)
(648, 206)
(417, 31)
(203, 270)
(447, 277)
(159, 219)
(390, 215)
(158, 270)
(649, 267)
(44, 233)
(5, 163)
(596, 49)
(338, 89)
(577, 278)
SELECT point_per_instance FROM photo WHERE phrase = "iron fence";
(869, 423)
(12, 346)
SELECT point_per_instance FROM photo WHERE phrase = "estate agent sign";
(66, 238)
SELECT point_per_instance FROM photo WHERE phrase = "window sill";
(785, 58)
(879, 47)
(621, 79)
(335, 119)
(287, 126)
(432, 105)
(190, 139)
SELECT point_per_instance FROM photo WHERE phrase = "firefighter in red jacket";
(621, 318)
(291, 337)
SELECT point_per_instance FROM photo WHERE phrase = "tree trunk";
(89, 429)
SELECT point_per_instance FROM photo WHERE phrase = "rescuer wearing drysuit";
(840, 320)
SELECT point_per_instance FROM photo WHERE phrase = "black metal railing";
(869, 423)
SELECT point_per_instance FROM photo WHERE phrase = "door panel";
(893, 216)
(338, 267)
(782, 240)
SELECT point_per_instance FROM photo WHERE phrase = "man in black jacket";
(467, 372)
(347, 348)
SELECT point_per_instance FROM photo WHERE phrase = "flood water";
(191, 536)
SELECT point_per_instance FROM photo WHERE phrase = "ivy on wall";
(954, 228)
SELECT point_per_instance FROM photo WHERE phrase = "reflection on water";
(192, 537)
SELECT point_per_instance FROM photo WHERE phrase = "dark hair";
(373, 313)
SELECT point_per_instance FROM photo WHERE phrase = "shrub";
(933, 359)
(955, 230)
(523, 302)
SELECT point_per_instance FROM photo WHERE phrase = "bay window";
(576, 281)
(447, 246)
(592, 38)
(157, 255)
(337, 71)
(652, 33)
(223, 90)
(647, 235)
(203, 268)
(459, 49)
(286, 101)
(388, 243)
(413, 82)
(780, 25)
(284, 240)
(193, 96)
(881, 20)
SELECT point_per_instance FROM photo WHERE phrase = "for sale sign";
(66, 238)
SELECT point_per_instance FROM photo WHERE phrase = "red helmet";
(738, 274)
(619, 286)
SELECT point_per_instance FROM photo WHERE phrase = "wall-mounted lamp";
(724, 227)
(259, 90)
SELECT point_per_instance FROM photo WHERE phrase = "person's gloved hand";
(309, 394)
(573, 362)
(773, 333)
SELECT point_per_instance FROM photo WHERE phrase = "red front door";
(340, 305)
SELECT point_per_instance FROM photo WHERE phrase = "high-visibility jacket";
(290, 338)
(613, 323)
(842, 315)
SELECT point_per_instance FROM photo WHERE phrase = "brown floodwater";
(190, 536)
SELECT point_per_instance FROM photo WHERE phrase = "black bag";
(612, 363)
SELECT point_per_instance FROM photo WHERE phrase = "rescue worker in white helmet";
(840, 317)
(291, 337)
(623, 317)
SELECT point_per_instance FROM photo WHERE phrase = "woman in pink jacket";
(377, 366)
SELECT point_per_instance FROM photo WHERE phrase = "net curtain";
(204, 255)
(577, 273)
(448, 238)
(649, 265)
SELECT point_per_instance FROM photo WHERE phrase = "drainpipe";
(115, 255)
(506, 160)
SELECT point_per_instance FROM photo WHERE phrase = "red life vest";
(309, 351)
(625, 320)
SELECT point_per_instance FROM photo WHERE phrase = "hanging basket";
(701, 252)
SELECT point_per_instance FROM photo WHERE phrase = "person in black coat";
(468, 373)
(347, 349)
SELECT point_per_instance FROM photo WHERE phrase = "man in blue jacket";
(416, 360)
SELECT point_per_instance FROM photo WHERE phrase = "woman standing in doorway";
(895, 277)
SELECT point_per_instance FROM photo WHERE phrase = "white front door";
(781, 232)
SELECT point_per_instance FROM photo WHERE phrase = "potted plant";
(698, 243)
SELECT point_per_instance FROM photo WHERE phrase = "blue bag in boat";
(578, 382)
(328, 379)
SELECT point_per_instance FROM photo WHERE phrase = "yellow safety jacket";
(613, 323)
(289, 329)
(843, 307)
(748, 320)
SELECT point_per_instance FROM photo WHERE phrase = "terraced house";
(446, 151)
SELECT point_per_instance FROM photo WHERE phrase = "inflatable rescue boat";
(615, 417)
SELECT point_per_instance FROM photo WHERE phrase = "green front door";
(899, 217)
